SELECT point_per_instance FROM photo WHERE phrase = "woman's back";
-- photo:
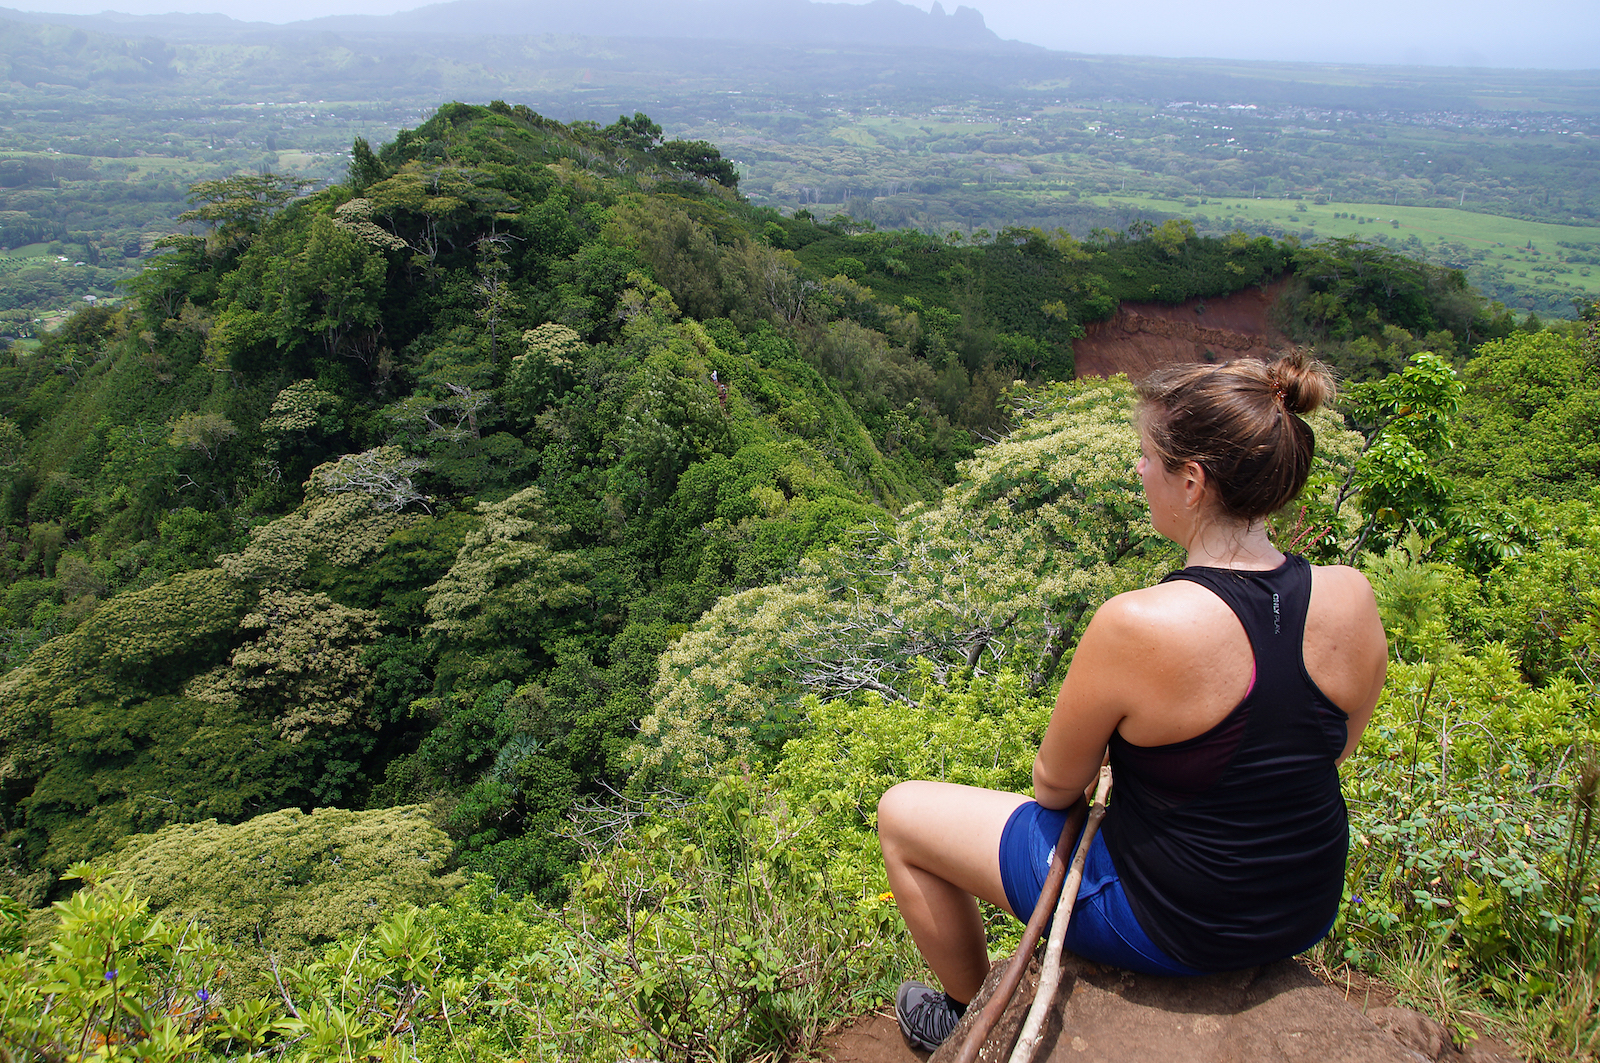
(1192, 663)
(1167, 663)
(1230, 841)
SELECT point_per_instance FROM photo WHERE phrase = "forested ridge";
(106, 121)
(530, 529)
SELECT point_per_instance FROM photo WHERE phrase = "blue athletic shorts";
(1103, 928)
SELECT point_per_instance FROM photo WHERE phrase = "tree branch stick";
(1050, 974)
(1030, 937)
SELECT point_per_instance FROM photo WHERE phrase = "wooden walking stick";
(1050, 974)
(1030, 936)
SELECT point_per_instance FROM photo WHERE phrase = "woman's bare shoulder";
(1344, 583)
(1166, 610)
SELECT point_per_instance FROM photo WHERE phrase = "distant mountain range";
(878, 23)
(790, 21)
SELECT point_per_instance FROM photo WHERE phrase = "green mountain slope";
(397, 491)
(539, 508)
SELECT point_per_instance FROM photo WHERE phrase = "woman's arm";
(1347, 652)
(1161, 664)
(1089, 707)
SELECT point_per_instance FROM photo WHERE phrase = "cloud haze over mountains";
(1558, 34)
(877, 22)
(1561, 34)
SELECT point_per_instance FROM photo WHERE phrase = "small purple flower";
(201, 995)
(111, 975)
(1355, 899)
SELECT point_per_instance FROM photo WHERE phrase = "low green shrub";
(288, 881)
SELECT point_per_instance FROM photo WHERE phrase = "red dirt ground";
(875, 1038)
(1146, 336)
(871, 1038)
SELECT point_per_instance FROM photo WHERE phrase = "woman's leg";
(941, 848)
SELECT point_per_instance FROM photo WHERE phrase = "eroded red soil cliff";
(1145, 336)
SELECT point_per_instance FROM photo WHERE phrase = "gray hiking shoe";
(926, 1015)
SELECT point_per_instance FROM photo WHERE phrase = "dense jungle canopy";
(531, 473)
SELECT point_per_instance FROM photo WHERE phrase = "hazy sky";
(1544, 33)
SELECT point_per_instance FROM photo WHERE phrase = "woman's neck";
(1215, 544)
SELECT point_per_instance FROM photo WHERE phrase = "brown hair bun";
(1240, 422)
(1303, 382)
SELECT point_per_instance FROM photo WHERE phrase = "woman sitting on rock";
(1227, 695)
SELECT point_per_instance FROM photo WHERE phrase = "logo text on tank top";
(1276, 618)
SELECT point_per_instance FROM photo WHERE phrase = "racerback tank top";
(1250, 869)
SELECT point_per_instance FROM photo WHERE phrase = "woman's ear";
(1194, 484)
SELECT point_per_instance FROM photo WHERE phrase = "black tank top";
(1250, 868)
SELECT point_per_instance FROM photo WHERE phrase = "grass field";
(991, 164)
(133, 166)
(315, 164)
(1527, 250)
(30, 251)
(167, 167)
(937, 126)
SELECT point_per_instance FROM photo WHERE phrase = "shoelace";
(927, 1017)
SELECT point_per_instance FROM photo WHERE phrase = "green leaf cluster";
(288, 881)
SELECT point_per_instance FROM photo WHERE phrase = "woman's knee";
(894, 808)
